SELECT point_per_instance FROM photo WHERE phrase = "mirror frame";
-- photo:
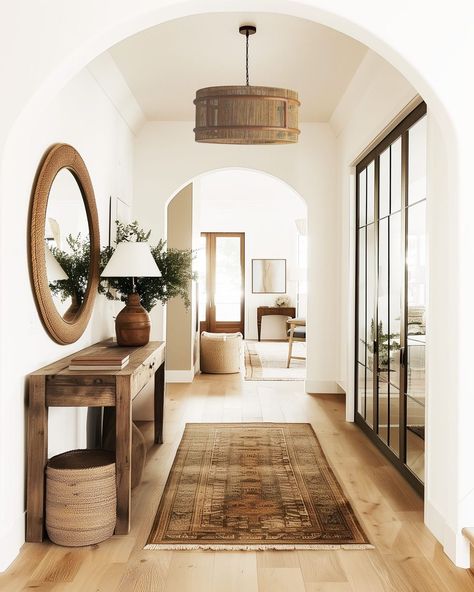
(58, 157)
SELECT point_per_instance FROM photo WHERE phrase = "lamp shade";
(132, 259)
(53, 270)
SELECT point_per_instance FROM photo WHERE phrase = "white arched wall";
(166, 157)
(42, 47)
(233, 200)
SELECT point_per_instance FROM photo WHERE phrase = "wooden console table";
(263, 311)
(57, 386)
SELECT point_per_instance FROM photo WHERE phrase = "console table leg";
(37, 458)
(123, 453)
(159, 403)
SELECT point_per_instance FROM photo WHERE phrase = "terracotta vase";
(132, 325)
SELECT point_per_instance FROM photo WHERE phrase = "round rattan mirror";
(64, 244)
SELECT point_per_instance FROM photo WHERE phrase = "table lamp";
(54, 271)
(132, 259)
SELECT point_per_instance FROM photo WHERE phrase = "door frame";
(210, 324)
(400, 131)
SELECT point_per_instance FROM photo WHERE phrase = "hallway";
(406, 557)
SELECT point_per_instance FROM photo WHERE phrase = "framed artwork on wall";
(268, 276)
(118, 210)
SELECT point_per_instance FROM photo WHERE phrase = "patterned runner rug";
(266, 360)
(253, 486)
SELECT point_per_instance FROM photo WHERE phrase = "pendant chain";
(247, 57)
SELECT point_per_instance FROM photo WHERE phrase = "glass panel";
(370, 321)
(228, 289)
(416, 296)
(370, 295)
(417, 162)
(394, 419)
(384, 183)
(369, 405)
(201, 268)
(362, 277)
(370, 192)
(416, 438)
(362, 198)
(396, 265)
(361, 389)
(382, 330)
(383, 400)
(396, 175)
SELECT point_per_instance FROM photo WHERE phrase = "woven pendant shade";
(246, 114)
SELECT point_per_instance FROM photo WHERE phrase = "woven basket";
(81, 497)
(220, 352)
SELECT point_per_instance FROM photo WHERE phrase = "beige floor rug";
(266, 360)
(253, 486)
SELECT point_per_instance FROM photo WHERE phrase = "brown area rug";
(253, 486)
(266, 360)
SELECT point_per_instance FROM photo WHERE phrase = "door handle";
(402, 357)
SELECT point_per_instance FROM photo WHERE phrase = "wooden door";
(222, 289)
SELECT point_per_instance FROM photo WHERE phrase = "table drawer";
(145, 372)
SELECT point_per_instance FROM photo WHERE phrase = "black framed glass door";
(391, 295)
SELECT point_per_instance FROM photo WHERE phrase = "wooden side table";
(57, 386)
(262, 311)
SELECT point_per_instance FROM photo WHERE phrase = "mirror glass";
(67, 243)
(268, 276)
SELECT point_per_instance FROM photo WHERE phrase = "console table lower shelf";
(57, 386)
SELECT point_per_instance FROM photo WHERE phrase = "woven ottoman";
(220, 352)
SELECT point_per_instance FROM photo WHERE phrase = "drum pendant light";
(246, 114)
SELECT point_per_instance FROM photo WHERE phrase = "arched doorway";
(235, 200)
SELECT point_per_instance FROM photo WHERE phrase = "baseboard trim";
(315, 387)
(11, 541)
(455, 544)
(179, 375)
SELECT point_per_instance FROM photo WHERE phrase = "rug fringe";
(169, 547)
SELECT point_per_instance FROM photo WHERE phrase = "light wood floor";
(406, 557)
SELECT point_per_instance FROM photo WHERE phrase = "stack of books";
(103, 359)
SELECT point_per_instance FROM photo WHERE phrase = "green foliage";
(387, 342)
(175, 266)
(76, 265)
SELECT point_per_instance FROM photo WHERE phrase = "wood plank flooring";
(406, 557)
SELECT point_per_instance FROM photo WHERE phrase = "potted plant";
(175, 266)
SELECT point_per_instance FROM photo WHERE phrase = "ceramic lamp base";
(132, 325)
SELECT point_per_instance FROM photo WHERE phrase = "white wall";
(265, 209)
(38, 54)
(377, 95)
(82, 116)
(167, 158)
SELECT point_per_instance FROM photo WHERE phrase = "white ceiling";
(165, 65)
